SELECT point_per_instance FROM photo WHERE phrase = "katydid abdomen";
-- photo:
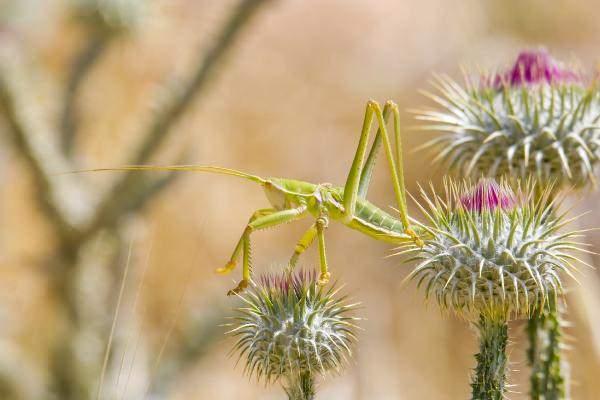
(367, 218)
(373, 221)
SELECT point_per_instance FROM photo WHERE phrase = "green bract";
(291, 326)
(491, 251)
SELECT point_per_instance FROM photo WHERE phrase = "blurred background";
(275, 88)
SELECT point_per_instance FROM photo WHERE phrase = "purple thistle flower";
(535, 67)
(282, 282)
(488, 195)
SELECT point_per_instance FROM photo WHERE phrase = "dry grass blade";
(114, 324)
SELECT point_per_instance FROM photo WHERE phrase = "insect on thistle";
(292, 199)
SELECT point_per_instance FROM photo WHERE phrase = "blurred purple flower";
(535, 67)
(488, 195)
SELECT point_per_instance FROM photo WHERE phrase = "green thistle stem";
(300, 387)
(547, 376)
(489, 380)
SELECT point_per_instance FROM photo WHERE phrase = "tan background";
(288, 102)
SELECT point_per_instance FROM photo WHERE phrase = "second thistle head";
(290, 326)
(491, 249)
(538, 118)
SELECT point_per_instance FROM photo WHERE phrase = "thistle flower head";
(290, 326)
(487, 195)
(538, 118)
(536, 67)
(491, 250)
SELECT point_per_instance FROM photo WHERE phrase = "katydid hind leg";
(395, 164)
(360, 172)
(367, 169)
(359, 176)
(354, 175)
(397, 183)
(402, 208)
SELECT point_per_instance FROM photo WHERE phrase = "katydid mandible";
(293, 199)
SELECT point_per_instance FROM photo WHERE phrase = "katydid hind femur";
(293, 199)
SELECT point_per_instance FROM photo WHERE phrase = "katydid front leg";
(230, 266)
(260, 222)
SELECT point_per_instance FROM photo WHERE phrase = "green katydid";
(293, 199)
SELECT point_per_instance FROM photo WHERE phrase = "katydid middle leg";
(322, 223)
(260, 222)
(304, 243)
(317, 230)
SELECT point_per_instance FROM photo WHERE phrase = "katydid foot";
(324, 278)
(413, 235)
(230, 266)
(239, 288)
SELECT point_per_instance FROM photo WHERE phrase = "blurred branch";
(85, 60)
(82, 281)
(135, 197)
(140, 192)
(60, 199)
(19, 378)
(173, 109)
(148, 188)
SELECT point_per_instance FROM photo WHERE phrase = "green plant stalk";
(548, 377)
(300, 387)
(548, 381)
(489, 380)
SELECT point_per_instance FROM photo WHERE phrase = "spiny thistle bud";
(491, 251)
(292, 328)
(538, 118)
